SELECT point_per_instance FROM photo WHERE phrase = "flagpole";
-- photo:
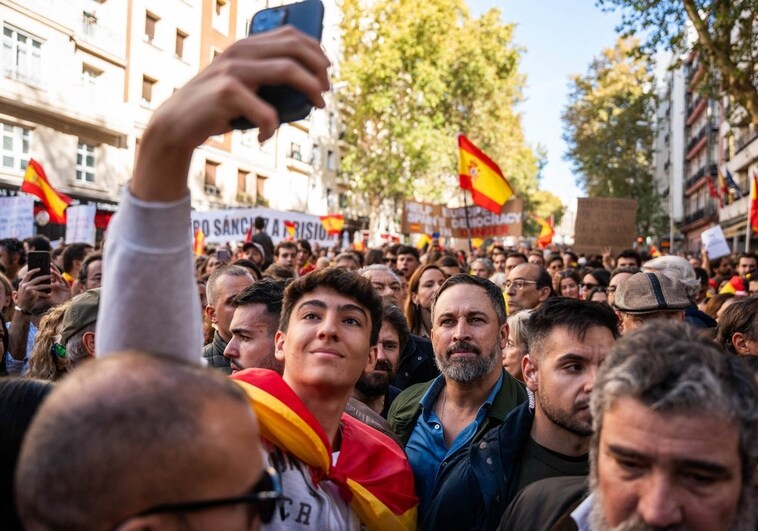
(748, 225)
(468, 227)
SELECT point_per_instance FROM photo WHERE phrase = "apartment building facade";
(81, 79)
(695, 148)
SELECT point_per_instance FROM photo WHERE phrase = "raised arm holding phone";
(154, 215)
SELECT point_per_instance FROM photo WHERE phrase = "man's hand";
(607, 258)
(32, 290)
(225, 90)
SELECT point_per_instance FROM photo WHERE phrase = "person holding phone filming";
(151, 229)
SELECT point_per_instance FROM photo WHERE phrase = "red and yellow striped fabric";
(372, 472)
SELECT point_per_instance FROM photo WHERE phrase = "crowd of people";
(290, 386)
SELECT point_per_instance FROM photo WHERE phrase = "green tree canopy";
(416, 74)
(608, 129)
(727, 40)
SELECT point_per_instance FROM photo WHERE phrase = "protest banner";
(16, 217)
(222, 226)
(80, 224)
(427, 218)
(604, 222)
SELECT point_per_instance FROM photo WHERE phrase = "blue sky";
(561, 37)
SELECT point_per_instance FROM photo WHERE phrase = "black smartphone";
(41, 260)
(308, 17)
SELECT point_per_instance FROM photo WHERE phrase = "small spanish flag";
(333, 223)
(290, 226)
(546, 231)
(36, 183)
(198, 246)
(478, 174)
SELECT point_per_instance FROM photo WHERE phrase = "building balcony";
(695, 109)
(698, 216)
(741, 140)
(697, 142)
(709, 169)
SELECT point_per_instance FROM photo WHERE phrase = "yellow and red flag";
(478, 174)
(380, 489)
(198, 245)
(754, 203)
(36, 183)
(290, 226)
(546, 231)
(333, 223)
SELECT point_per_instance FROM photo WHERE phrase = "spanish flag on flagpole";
(478, 174)
(36, 183)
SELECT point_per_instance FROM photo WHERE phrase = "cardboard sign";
(222, 226)
(16, 217)
(715, 242)
(427, 218)
(604, 222)
(80, 224)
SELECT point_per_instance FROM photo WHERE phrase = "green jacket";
(406, 408)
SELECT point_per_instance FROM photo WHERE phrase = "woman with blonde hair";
(424, 283)
(48, 360)
(515, 347)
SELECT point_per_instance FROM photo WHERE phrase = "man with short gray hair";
(675, 423)
(224, 284)
(385, 282)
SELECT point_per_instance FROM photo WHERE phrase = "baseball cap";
(81, 312)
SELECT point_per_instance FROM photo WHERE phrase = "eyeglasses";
(611, 289)
(263, 496)
(58, 350)
(588, 285)
(519, 283)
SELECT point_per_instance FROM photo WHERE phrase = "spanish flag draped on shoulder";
(36, 183)
(478, 174)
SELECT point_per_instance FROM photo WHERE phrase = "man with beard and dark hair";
(675, 422)
(568, 340)
(473, 394)
(373, 388)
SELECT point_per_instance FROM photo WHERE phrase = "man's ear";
(531, 372)
(88, 341)
(371, 361)
(544, 293)
(739, 340)
(504, 330)
(210, 312)
(279, 345)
